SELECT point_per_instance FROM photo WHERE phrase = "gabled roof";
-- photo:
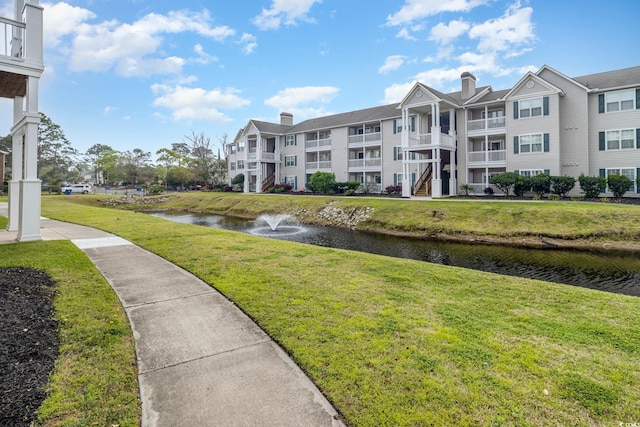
(345, 119)
(537, 79)
(625, 77)
(431, 91)
(272, 128)
(558, 73)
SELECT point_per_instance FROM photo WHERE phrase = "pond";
(616, 272)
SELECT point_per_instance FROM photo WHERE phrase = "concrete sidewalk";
(201, 361)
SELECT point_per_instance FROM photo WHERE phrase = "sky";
(147, 73)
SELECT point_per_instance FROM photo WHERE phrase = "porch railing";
(318, 165)
(367, 137)
(313, 143)
(487, 156)
(11, 38)
(362, 163)
(484, 124)
(425, 178)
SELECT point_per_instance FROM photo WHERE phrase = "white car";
(76, 188)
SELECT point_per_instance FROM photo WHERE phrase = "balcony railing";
(486, 124)
(496, 156)
(365, 138)
(426, 139)
(318, 165)
(253, 155)
(11, 38)
(365, 163)
(313, 143)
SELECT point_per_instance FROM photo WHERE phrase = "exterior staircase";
(268, 183)
(422, 187)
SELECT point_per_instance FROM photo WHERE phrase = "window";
(531, 143)
(531, 172)
(240, 164)
(619, 101)
(232, 149)
(240, 146)
(289, 140)
(534, 143)
(397, 153)
(622, 139)
(290, 161)
(532, 107)
(233, 166)
(397, 179)
(293, 180)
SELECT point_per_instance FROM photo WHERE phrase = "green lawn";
(95, 376)
(396, 342)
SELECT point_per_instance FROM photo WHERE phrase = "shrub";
(522, 185)
(465, 189)
(238, 179)
(350, 192)
(488, 191)
(554, 197)
(505, 181)
(540, 184)
(394, 189)
(322, 182)
(561, 185)
(592, 186)
(619, 184)
(343, 187)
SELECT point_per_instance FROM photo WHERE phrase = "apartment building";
(432, 142)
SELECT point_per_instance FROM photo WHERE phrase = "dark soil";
(28, 343)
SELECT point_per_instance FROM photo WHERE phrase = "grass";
(396, 342)
(95, 377)
(570, 221)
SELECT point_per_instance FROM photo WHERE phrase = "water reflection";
(619, 273)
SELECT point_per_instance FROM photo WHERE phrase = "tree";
(93, 156)
(56, 156)
(178, 176)
(592, 186)
(561, 185)
(106, 162)
(504, 181)
(322, 182)
(619, 184)
(202, 156)
(131, 164)
(168, 157)
(541, 184)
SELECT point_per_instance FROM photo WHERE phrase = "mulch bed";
(28, 342)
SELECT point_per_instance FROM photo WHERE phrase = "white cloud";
(446, 33)
(514, 28)
(203, 57)
(396, 92)
(392, 63)
(287, 12)
(295, 100)
(132, 49)
(249, 42)
(62, 19)
(415, 10)
(404, 34)
(187, 103)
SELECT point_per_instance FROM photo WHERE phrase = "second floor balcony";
(427, 140)
(362, 164)
(365, 139)
(261, 156)
(318, 165)
(493, 157)
(318, 143)
(488, 125)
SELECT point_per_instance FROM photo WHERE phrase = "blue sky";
(145, 73)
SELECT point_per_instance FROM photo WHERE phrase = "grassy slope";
(568, 221)
(398, 342)
(95, 377)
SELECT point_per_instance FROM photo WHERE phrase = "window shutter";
(601, 103)
(545, 106)
(395, 153)
(517, 172)
(295, 139)
(638, 138)
(516, 145)
(637, 183)
(395, 127)
(547, 172)
(601, 141)
(515, 109)
(637, 99)
(545, 142)
(295, 182)
(295, 160)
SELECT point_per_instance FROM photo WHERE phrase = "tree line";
(192, 161)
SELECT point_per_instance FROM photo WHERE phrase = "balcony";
(486, 126)
(369, 164)
(11, 38)
(426, 140)
(252, 155)
(318, 143)
(365, 139)
(494, 157)
(314, 166)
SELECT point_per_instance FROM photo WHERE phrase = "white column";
(453, 181)
(436, 183)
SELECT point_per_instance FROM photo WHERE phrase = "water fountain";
(276, 225)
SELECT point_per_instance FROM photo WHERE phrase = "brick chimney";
(286, 119)
(468, 85)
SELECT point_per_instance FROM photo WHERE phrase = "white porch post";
(259, 175)
(436, 183)
(16, 166)
(30, 185)
(453, 181)
(406, 183)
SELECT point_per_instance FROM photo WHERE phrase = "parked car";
(76, 188)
